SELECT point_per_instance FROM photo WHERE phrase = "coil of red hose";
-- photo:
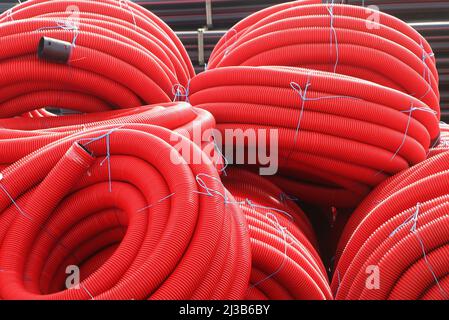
(285, 259)
(339, 135)
(122, 56)
(401, 228)
(343, 39)
(240, 27)
(140, 229)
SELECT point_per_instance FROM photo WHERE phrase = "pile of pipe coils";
(114, 183)
(408, 10)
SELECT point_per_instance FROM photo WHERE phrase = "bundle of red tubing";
(121, 56)
(340, 39)
(402, 230)
(124, 205)
(285, 259)
(362, 107)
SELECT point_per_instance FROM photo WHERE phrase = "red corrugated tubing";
(402, 228)
(285, 260)
(122, 56)
(337, 38)
(352, 133)
(146, 230)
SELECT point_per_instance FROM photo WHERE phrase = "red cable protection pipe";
(111, 192)
(290, 14)
(148, 21)
(401, 228)
(341, 136)
(143, 229)
(121, 56)
(285, 260)
(337, 38)
(332, 150)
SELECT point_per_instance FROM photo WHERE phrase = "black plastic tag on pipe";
(54, 50)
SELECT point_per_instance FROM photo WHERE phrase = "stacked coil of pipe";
(22, 136)
(363, 106)
(116, 201)
(119, 56)
(400, 229)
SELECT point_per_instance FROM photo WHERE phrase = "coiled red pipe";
(342, 138)
(285, 260)
(401, 228)
(141, 229)
(337, 38)
(122, 56)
